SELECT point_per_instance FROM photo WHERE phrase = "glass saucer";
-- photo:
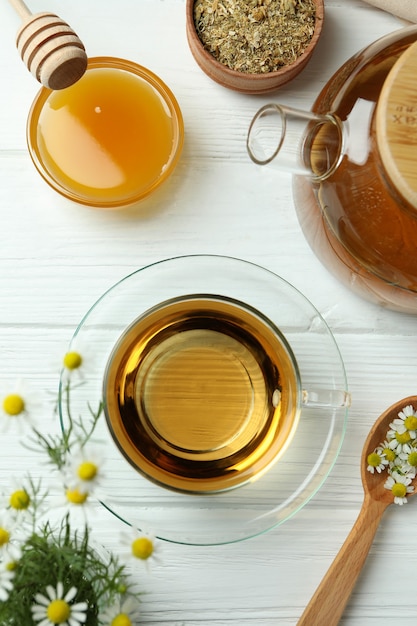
(232, 506)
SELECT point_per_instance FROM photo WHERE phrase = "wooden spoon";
(330, 598)
(49, 48)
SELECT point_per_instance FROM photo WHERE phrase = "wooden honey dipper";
(49, 48)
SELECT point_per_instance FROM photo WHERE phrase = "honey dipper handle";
(21, 8)
(331, 596)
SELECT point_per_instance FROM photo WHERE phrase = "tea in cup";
(202, 393)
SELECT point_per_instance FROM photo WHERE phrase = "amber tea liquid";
(201, 394)
(354, 221)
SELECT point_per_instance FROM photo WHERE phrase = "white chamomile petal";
(6, 581)
(397, 426)
(8, 528)
(126, 607)
(70, 595)
(53, 594)
(410, 470)
(407, 411)
(78, 609)
(41, 599)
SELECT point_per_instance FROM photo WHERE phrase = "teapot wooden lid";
(396, 124)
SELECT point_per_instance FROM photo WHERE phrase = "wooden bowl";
(244, 82)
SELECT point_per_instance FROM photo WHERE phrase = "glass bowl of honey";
(109, 140)
(223, 398)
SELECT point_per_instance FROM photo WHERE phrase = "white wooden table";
(56, 259)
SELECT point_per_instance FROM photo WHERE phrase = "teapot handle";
(300, 142)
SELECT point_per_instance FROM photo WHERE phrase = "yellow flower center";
(121, 620)
(410, 422)
(142, 548)
(87, 470)
(412, 459)
(389, 454)
(11, 566)
(374, 459)
(72, 360)
(76, 497)
(399, 490)
(403, 437)
(4, 536)
(13, 404)
(20, 500)
(58, 611)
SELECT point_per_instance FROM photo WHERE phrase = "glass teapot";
(354, 165)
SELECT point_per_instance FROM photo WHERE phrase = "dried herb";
(255, 36)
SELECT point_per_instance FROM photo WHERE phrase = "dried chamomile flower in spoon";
(397, 455)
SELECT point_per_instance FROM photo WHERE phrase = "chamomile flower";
(75, 362)
(56, 607)
(18, 405)
(7, 526)
(377, 461)
(400, 486)
(76, 503)
(123, 613)
(32, 550)
(409, 463)
(76, 497)
(140, 546)
(10, 540)
(400, 441)
(406, 421)
(84, 471)
(412, 457)
(21, 498)
(7, 574)
(388, 452)
(72, 361)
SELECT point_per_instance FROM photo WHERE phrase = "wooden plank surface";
(56, 259)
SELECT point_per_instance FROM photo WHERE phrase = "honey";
(109, 139)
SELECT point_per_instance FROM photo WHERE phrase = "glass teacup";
(213, 364)
(203, 393)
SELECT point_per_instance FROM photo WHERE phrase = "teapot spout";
(299, 142)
